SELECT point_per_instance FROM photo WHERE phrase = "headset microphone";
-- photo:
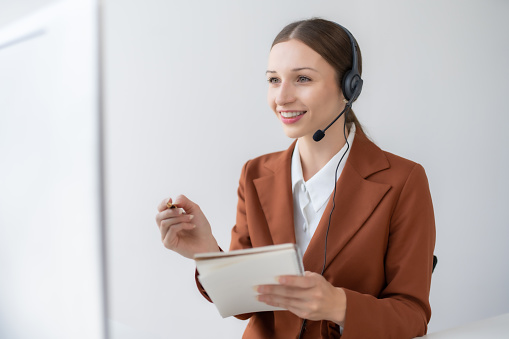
(321, 133)
(358, 87)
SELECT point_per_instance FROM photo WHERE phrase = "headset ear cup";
(346, 85)
(351, 85)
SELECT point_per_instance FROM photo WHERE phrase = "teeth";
(291, 114)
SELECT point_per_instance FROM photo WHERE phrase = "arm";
(240, 232)
(402, 309)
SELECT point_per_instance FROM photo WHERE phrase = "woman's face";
(303, 92)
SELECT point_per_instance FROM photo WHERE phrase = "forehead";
(294, 54)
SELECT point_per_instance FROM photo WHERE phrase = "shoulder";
(400, 164)
(402, 173)
(406, 179)
(265, 160)
(268, 164)
(376, 164)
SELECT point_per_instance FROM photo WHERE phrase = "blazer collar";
(355, 200)
(276, 199)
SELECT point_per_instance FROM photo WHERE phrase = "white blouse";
(310, 197)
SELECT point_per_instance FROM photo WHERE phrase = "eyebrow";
(295, 70)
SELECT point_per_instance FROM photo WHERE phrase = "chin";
(293, 133)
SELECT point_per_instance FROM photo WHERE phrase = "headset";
(351, 86)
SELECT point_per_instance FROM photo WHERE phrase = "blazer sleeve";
(200, 286)
(240, 232)
(402, 309)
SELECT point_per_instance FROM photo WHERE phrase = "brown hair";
(330, 41)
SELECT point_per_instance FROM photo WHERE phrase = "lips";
(292, 114)
(290, 117)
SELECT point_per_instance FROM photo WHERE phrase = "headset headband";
(351, 84)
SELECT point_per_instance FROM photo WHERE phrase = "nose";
(285, 94)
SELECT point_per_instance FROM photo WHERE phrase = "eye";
(273, 80)
(302, 78)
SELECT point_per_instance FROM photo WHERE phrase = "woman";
(367, 241)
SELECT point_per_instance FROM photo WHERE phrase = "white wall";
(185, 104)
(51, 258)
(13, 10)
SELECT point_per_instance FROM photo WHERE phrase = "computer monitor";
(52, 255)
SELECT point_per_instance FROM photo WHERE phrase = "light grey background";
(185, 108)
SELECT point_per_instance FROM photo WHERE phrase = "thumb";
(183, 202)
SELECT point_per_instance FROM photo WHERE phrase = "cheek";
(271, 100)
(328, 99)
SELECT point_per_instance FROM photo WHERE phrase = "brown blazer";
(380, 244)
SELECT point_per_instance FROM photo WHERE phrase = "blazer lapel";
(275, 194)
(356, 198)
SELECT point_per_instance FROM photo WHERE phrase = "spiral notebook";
(230, 277)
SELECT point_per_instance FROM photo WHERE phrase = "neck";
(315, 155)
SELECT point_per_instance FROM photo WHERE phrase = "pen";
(170, 205)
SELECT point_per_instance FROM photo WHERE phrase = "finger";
(280, 290)
(183, 202)
(168, 213)
(169, 222)
(167, 226)
(306, 281)
(279, 301)
(311, 274)
(173, 232)
(305, 309)
(162, 206)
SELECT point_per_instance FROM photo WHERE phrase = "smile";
(291, 114)
(291, 117)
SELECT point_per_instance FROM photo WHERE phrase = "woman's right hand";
(185, 229)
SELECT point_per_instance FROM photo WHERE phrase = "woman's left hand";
(309, 297)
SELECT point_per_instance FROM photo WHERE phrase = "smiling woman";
(332, 44)
(367, 249)
(303, 91)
